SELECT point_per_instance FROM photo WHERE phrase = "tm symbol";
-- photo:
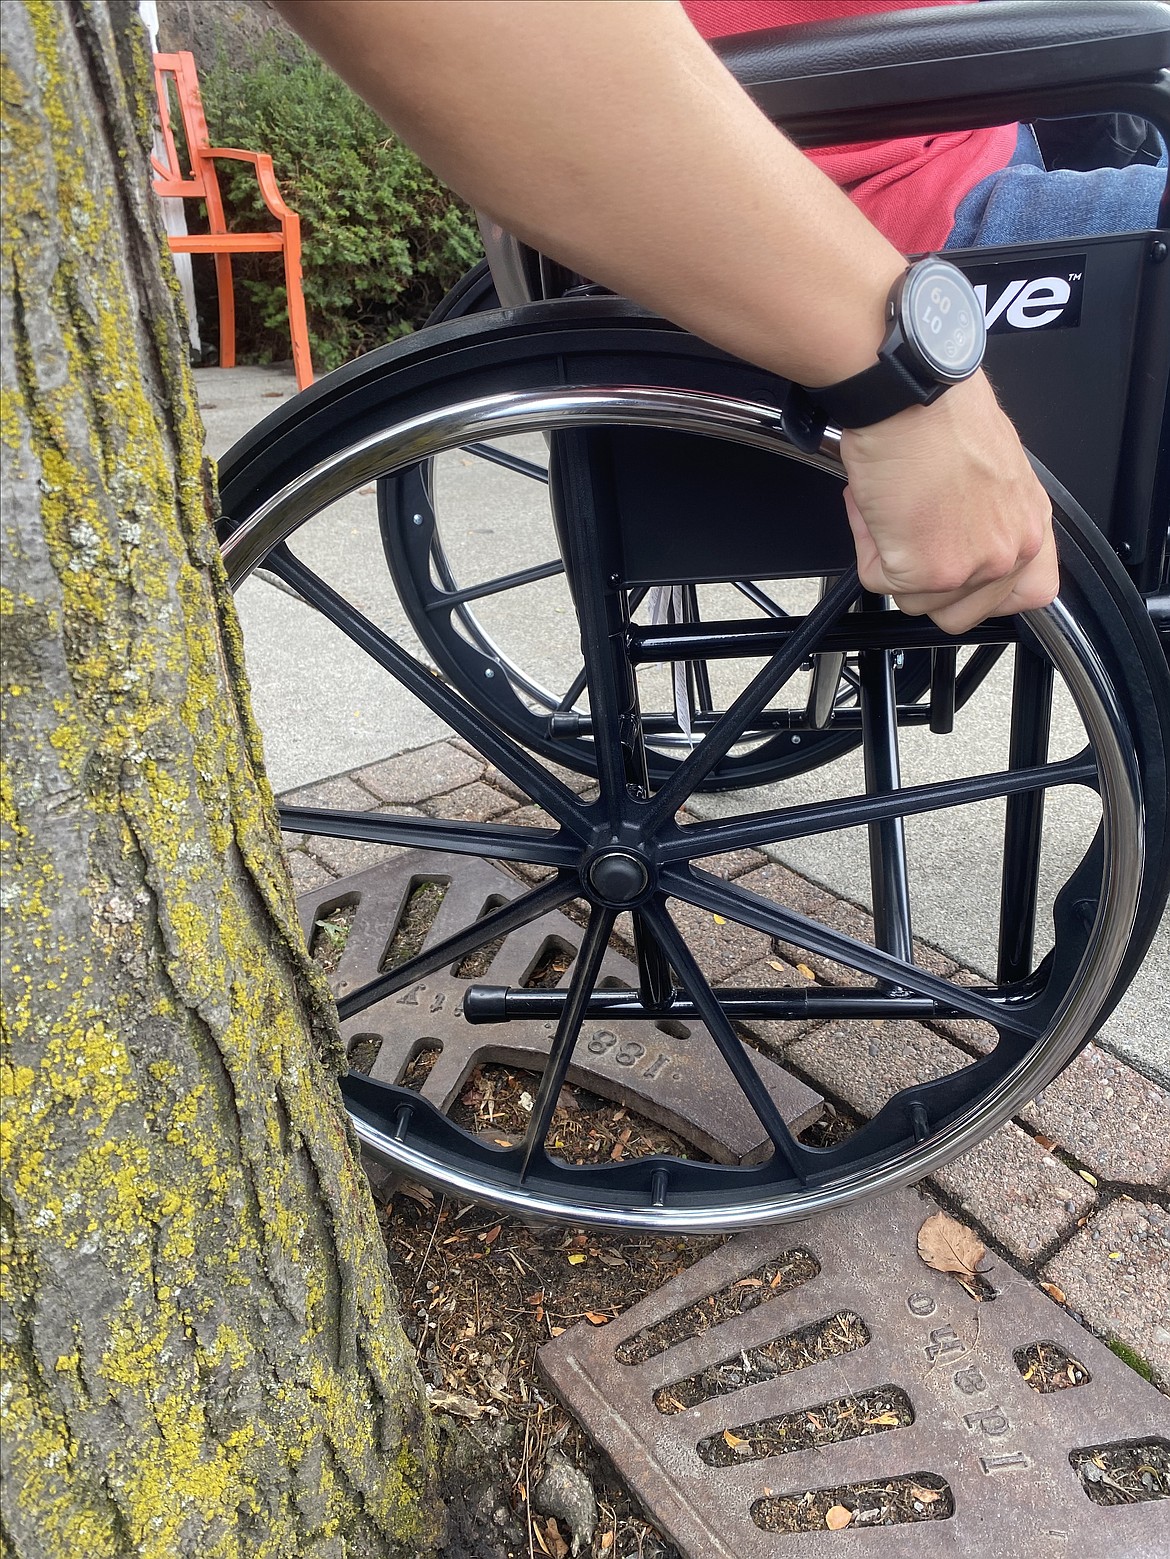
(1075, 275)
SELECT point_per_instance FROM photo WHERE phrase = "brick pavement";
(1073, 1193)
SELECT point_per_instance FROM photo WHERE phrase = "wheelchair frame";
(553, 365)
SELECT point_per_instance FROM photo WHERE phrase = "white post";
(174, 216)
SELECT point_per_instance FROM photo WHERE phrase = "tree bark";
(202, 1353)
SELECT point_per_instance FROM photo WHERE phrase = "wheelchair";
(672, 478)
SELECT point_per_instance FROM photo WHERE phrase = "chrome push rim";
(1055, 630)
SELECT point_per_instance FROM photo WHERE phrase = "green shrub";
(382, 239)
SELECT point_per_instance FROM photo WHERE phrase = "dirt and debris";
(330, 934)
(921, 1496)
(415, 921)
(828, 1423)
(828, 1339)
(1124, 1474)
(480, 1294)
(747, 1293)
(497, 1101)
(1047, 1367)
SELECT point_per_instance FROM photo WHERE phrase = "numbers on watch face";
(943, 319)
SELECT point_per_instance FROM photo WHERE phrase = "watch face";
(942, 318)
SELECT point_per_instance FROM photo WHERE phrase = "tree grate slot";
(417, 918)
(789, 1271)
(475, 965)
(331, 932)
(1128, 1472)
(552, 963)
(919, 1496)
(362, 1051)
(809, 1428)
(421, 1064)
(1046, 1366)
(842, 1333)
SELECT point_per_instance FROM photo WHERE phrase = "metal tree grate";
(996, 1454)
(670, 1074)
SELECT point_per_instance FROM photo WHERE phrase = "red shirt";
(908, 188)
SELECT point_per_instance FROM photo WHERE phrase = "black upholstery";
(955, 65)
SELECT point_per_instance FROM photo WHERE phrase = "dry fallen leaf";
(1087, 1177)
(417, 1193)
(890, 1420)
(733, 1440)
(596, 1318)
(809, 975)
(837, 1517)
(719, 920)
(925, 1496)
(576, 1259)
(557, 1546)
(1053, 1292)
(606, 1542)
(451, 1402)
(949, 1246)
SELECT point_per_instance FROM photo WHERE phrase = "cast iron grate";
(670, 1074)
(990, 1462)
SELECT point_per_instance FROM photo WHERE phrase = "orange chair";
(201, 183)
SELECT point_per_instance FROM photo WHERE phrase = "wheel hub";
(618, 877)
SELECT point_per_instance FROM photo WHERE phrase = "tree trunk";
(202, 1354)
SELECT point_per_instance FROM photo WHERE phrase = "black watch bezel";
(904, 375)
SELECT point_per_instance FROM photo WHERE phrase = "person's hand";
(946, 513)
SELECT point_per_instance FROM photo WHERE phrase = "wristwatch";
(935, 338)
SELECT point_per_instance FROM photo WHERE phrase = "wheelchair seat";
(670, 475)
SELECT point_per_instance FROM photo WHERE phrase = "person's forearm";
(606, 134)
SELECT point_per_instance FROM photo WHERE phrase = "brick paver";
(1116, 1273)
(1109, 1118)
(475, 803)
(417, 776)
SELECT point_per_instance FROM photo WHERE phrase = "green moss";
(1130, 1356)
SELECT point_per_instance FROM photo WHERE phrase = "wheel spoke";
(524, 576)
(501, 457)
(730, 726)
(511, 759)
(509, 917)
(1024, 815)
(493, 841)
(750, 909)
(759, 598)
(730, 1046)
(593, 946)
(587, 522)
(820, 817)
(888, 868)
(575, 689)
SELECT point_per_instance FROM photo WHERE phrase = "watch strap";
(877, 392)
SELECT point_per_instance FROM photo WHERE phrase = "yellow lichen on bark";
(205, 1357)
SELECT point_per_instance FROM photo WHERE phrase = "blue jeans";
(1024, 203)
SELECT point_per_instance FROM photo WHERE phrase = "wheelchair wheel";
(553, 369)
(469, 599)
